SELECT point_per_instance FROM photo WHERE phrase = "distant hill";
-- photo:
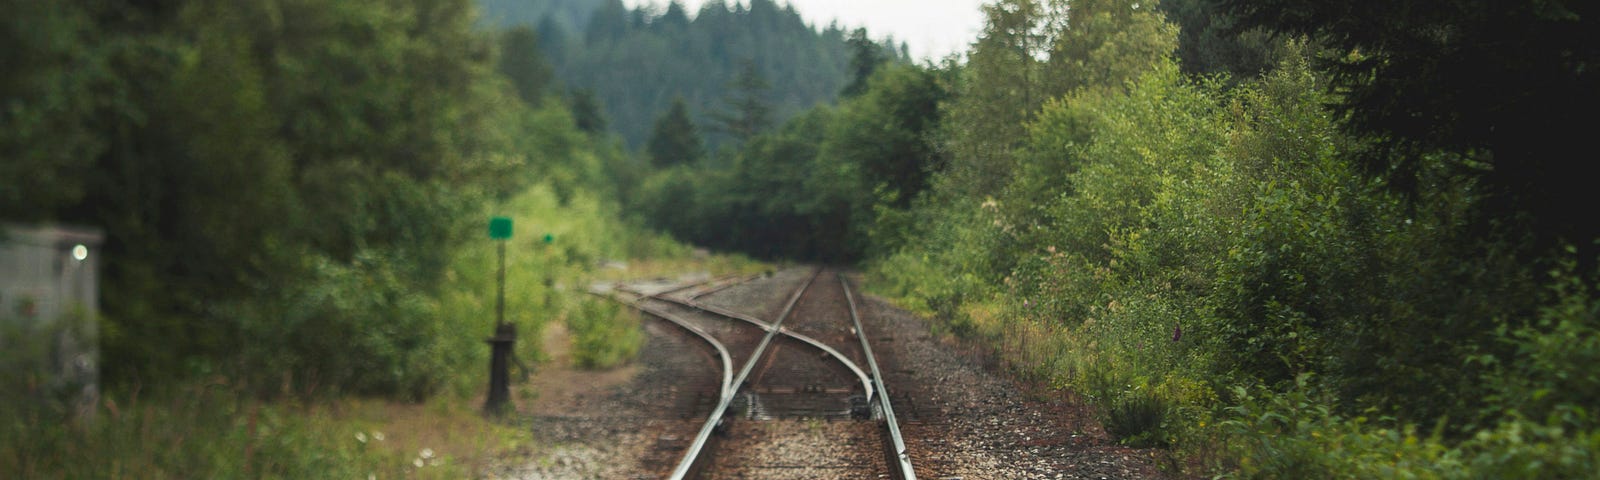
(569, 15)
(636, 61)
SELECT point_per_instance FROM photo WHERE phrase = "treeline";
(1289, 239)
(553, 15)
(286, 185)
(635, 62)
(818, 186)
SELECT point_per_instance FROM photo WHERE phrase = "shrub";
(603, 335)
(1297, 434)
(349, 328)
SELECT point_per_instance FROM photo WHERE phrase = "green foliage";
(1298, 434)
(821, 186)
(603, 335)
(636, 61)
(586, 111)
(1548, 375)
(675, 140)
(884, 133)
(998, 90)
(53, 68)
(1402, 68)
(201, 431)
(544, 282)
(865, 57)
(1106, 43)
(1137, 419)
(951, 264)
(1156, 239)
(290, 187)
(523, 63)
(1208, 42)
(1524, 449)
(355, 328)
(748, 112)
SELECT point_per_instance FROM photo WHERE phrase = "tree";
(1000, 91)
(523, 63)
(48, 88)
(1500, 84)
(243, 155)
(636, 73)
(1106, 43)
(586, 111)
(674, 141)
(608, 23)
(1209, 43)
(749, 112)
(865, 56)
(886, 133)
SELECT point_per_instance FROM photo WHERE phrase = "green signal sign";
(548, 238)
(500, 228)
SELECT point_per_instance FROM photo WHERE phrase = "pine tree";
(865, 56)
(749, 113)
(1000, 92)
(674, 141)
(586, 111)
(523, 63)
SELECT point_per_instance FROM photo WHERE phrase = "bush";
(1297, 434)
(357, 328)
(1137, 419)
(603, 335)
(1551, 373)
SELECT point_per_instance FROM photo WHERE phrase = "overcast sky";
(932, 28)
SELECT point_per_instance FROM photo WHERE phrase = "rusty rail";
(901, 457)
(692, 459)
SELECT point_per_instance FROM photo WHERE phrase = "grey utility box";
(49, 299)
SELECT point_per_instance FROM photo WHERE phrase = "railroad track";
(807, 399)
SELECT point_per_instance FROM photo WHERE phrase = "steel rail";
(693, 454)
(722, 287)
(722, 351)
(861, 375)
(675, 288)
(902, 455)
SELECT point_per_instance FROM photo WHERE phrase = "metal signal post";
(504, 334)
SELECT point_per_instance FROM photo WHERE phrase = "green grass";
(210, 430)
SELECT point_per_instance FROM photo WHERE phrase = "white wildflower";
(376, 435)
(361, 437)
(417, 462)
(427, 453)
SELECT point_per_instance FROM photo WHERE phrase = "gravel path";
(964, 419)
(801, 449)
(636, 429)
